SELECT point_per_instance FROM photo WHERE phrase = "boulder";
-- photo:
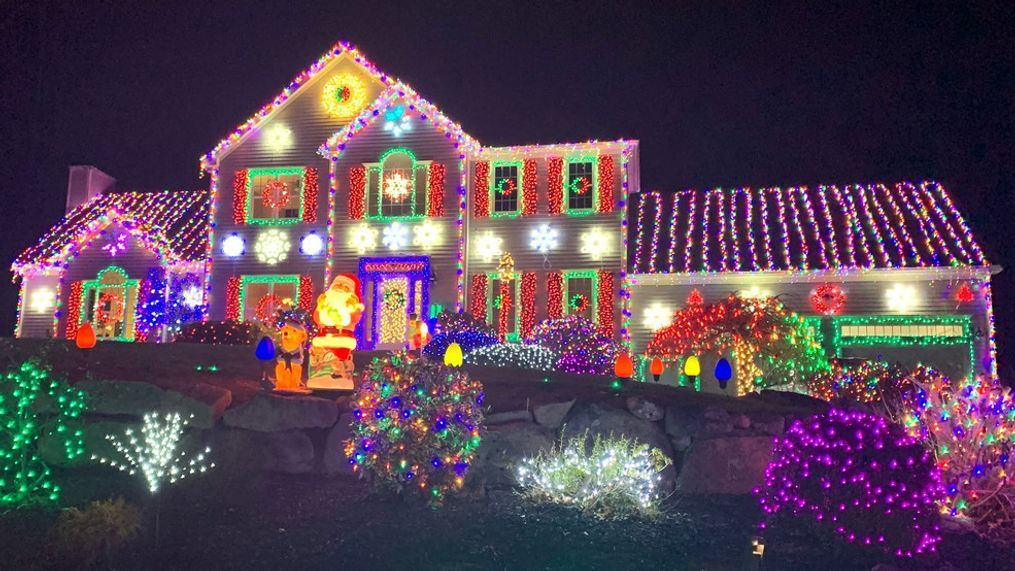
(645, 409)
(774, 425)
(275, 413)
(240, 450)
(725, 465)
(681, 443)
(334, 460)
(741, 421)
(502, 448)
(792, 399)
(205, 402)
(717, 421)
(509, 416)
(552, 415)
(681, 422)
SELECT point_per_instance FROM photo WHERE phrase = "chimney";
(85, 183)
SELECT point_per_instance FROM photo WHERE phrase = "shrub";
(514, 355)
(611, 478)
(459, 321)
(582, 349)
(462, 328)
(416, 425)
(227, 332)
(858, 475)
(33, 405)
(867, 381)
(83, 537)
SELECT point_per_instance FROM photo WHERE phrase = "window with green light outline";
(497, 200)
(294, 175)
(593, 299)
(569, 183)
(384, 209)
(491, 296)
(248, 280)
(904, 331)
(128, 289)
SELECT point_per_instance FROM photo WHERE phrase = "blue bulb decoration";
(723, 372)
(265, 350)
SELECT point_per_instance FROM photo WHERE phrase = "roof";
(174, 224)
(799, 228)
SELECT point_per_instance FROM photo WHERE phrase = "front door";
(395, 288)
(394, 312)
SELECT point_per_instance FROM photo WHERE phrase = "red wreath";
(828, 299)
(275, 194)
(581, 185)
(579, 302)
(267, 300)
(110, 308)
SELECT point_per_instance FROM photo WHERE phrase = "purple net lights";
(860, 476)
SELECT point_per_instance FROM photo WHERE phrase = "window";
(580, 185)
(494, 300)
(108, 303)
(399, 183)
(275, 195)
(261, 296)
(581, 294)
(506, 188)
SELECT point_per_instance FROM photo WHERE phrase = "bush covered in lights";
(416, 425)
(35, 405)
(515, 355)
(606, 477)
(227, 332)
(859, 476)
(969, 426)
(582, 349)
(866, 381)
(458, 327)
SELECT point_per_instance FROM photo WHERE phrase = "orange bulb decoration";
(85, 338)
(656, 368)
(623, 368)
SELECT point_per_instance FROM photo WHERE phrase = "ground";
(255, 520)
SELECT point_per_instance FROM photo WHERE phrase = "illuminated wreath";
(580, 185)
(579, 302)
(268, 301)
(344, 96)
(828, 299)
(394, 299)
(506, 187)
(110, 308)
(275, 194)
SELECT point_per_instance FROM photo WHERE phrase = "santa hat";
(347, 281)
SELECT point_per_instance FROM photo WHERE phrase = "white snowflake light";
(193, 296)
(362, 238)
(755, 292)
(397, 186)
(488, 246)
(272, 246)
(396, 236)
(544, 238)
(41, 300)
(278, 138)
(156, 454)
(901, 298)
(233, 245)
(657, 316)
(427, 235)
(397, 121)
(312, 244)
(595, 243)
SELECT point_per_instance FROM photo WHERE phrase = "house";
(350, 171)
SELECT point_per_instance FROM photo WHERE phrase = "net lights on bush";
(514, 355)
(544, 238)
(396, 236)
(362, 238)
(417, 425)
(902, 298)
(859, 476)
(582, 348)
(25, 391)
(234, 245)
(156, 454)
(614, 477)
(272, 246)
(870, 381)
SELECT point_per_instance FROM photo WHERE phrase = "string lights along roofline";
(852, 227)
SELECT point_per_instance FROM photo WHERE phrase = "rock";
(502, 448)
(725, 465)
(288, 451)
(716, 427)
(715, 414)
(273, 413)
(682, 422)
(334, 459)
(241, 450)
(787, 398)
(509, 416)
(681, 443)
(740, 421)
(552, 415)
(885, 567)
(774, 425)
(644, 409)
(205, 402)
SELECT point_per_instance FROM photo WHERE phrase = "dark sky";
(720, 94)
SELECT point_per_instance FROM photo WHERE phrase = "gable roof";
(174, 224)
(799, 228)
(340, 48)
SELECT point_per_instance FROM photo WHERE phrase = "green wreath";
(578, 302)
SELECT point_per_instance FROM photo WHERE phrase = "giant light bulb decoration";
(272, 246)
(233, 245)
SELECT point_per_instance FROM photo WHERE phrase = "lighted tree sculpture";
(33, 405)
(156, 454)
(769, 344)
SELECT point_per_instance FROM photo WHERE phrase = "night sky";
(732, 94)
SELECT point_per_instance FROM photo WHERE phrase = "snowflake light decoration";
(901, 298)
(272, 246)
(755, 292)
(656, 316)
(362, 238)
(193, 296)
(397, 121)
(396, 236)
(427, 235)
(312, 244)
(544, 238)
(41, 300)
(397, 186)
(595, 243)
(278, 138)
(233, 245)
(488, 246)
(116, 245)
